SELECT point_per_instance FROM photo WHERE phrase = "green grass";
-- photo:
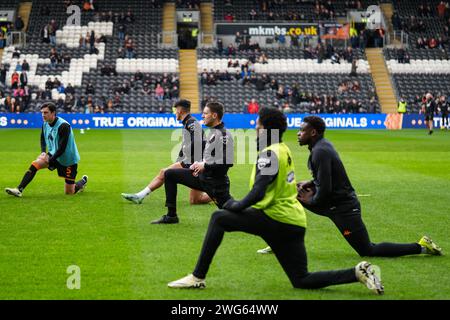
(122, 256)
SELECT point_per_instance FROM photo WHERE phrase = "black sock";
(172, 211)
(29, 175)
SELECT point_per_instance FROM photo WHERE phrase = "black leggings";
(217, 190)
(347, 218)
(286, 241)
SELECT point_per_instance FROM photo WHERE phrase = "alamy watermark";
(238, 146)
(74, 280)
(373, 17)
(74, 18)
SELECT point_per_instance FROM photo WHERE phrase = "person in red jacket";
(253, 106)
(15, 80)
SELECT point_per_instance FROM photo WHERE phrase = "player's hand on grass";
(233, 205)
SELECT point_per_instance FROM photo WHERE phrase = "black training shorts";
(68, 173)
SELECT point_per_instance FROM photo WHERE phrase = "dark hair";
(216, 107)
(185, 104)
(272, 118)
(50, 105)
(316, 122)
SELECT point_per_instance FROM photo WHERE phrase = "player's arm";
(227, 144)
(63, 138)
(322, 161)
(266, 172)
(43, 144)
(192, 149)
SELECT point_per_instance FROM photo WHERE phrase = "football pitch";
(402, 177)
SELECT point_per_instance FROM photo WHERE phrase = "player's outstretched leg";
(27, 178)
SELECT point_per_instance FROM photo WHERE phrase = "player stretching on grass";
(191, 151)
(331, 194)
(57, 136)
(271, 211)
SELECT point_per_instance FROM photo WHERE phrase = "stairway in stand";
(168, 23)
(189, 88)
(206, 22)
(381, 78)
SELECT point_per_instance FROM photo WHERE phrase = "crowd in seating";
(124, 24)
(188, 4)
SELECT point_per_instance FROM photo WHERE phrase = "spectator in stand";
(129, 49)
(90, 90)
(129, 18)
(432, 43)
(14, 80)
(263, 58)
(52, 27)
(69, 103)
(219, 46)
(15, 106)
(18, 67)
(253, 106)
(25, 66)
(229, 17)
(16, 53)
(92, 42)
(66, 58)
(19, 24)
(159, 92)
(23, 79)
(286, 108)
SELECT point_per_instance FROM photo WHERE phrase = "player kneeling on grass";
(57, 136)
(271, 210)
(191, 150)
(331, 194)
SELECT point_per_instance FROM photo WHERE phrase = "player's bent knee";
(220, 216)
(195, 199)
(38, 164)
(168, 174)
(366, 252)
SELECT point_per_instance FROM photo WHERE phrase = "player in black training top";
(191, 150)
(209, 174)
(429, 109)
(331, 194)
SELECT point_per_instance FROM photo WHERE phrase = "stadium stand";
(79, 64)
(108, 65)
(421, 65)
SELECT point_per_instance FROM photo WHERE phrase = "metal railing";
(16, 39)
(402, 36)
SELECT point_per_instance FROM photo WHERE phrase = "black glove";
(233, 205)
